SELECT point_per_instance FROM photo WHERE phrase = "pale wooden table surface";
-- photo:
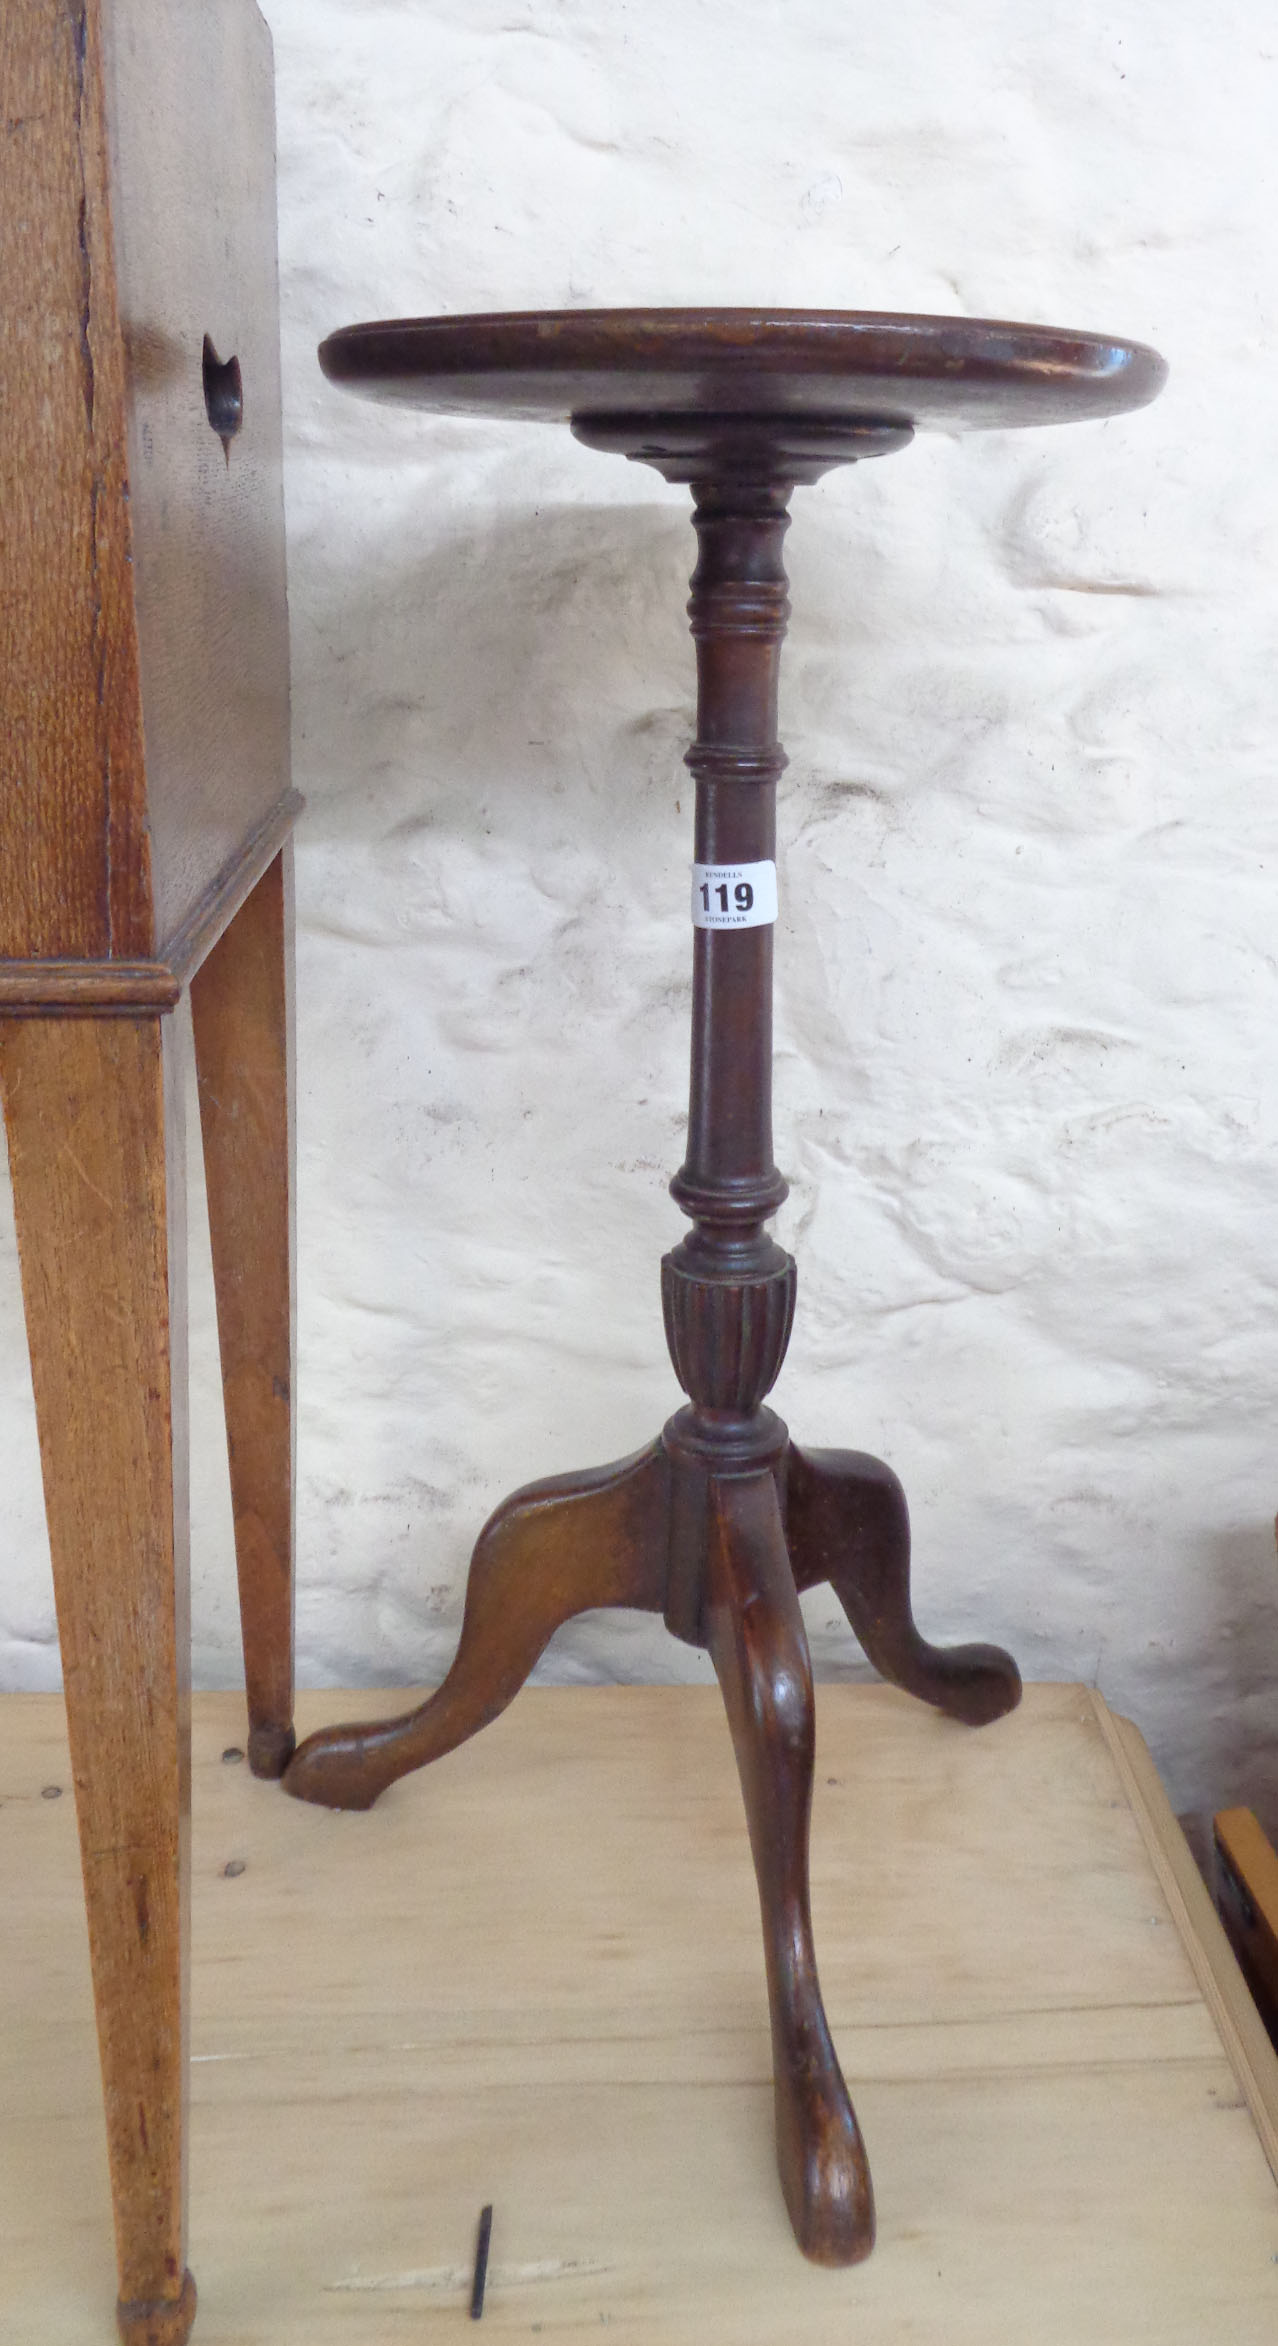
(533, 1975)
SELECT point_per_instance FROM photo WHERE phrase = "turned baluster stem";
(738, 610)
(728, 1288)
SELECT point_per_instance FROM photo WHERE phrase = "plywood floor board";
(533, 1975)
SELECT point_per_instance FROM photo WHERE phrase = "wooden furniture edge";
(1221, 1984)
(114, 989)
(1245, 1883)
(1253, 1857)
(74, 846)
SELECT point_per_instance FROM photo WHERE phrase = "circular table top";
(850, 365)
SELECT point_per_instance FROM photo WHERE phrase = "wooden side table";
(145, 814)
(723, 1520)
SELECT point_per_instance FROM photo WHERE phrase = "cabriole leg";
(557, 1548)
(755, 1634)
(847, 1522)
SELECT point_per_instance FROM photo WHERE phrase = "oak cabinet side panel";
(190, 110)
(71, 784)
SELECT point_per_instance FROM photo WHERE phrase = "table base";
(723, 1555)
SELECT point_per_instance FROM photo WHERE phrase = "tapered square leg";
(242, 1009)
(94, 1120)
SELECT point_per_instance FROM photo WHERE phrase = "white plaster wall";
(1026, 1092)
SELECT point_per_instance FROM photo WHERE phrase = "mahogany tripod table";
(723, 1520)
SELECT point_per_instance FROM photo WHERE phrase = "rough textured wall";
(1026, 1083)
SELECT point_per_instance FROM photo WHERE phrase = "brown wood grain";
(848, 1523)
(595, 366)
(71, 777)
(242, 1011)
(192, 148)
(143, 620)
(93, 1113)
(550, 1551)
(720, 1524)
(755, 1634)
(144, 790)
(47, 989)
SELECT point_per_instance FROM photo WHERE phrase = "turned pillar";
(728, 1289)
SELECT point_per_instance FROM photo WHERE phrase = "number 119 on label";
(734, 895)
